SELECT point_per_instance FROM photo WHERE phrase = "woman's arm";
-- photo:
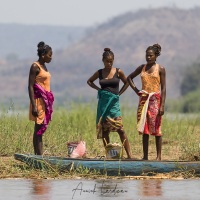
(132, 76)
(34, 70)
(91, 80)
(123, 78)
(163, 89)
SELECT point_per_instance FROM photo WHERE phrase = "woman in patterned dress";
(108, 111)
(151, 99)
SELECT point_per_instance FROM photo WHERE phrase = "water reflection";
(99, 189)
(41, 188)
(151, 188)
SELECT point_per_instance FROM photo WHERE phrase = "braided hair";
(42, 48)
(156, 48)
(107, 52)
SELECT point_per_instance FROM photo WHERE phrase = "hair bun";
(40, 44)
(158, 47)
(107, 49)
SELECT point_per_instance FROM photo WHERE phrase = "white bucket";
(114, 151)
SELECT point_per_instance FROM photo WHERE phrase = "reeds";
(77, 122)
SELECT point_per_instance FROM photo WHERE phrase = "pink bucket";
(76, 149)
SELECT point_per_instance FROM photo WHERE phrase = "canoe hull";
(109, 167)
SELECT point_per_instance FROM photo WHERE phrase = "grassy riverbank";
(77, 122)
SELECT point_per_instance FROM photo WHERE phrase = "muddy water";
(99, 189)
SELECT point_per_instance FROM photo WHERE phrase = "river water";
(158, 189)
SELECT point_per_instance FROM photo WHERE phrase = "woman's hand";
(163, 88)
(123, 78)
(132, 76)
(34, 112)
(91, 80)
(161, 111)
(136, 91)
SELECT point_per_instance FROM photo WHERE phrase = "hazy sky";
(77, 12)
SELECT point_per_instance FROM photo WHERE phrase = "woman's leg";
(105, 137)
(37, 141)
(158, 146)
(125, 142)
(145, 142)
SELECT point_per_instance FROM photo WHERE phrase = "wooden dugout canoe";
(110, 167)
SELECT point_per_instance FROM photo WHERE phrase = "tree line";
(189, 102)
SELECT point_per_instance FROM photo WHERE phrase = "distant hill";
(128, 35)
(20, 41)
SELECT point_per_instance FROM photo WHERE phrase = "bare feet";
(158, 158)
(144, 158)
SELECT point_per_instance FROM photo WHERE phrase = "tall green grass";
(77, 122)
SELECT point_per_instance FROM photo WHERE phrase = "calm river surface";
(20, 189)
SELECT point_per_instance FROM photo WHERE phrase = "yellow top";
(43, 79)
(151, 81)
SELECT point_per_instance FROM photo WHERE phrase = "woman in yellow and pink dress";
(41, 97)
(151, 99)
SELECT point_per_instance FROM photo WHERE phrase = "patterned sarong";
(148, 120)
(108, 113)
(48, 98)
